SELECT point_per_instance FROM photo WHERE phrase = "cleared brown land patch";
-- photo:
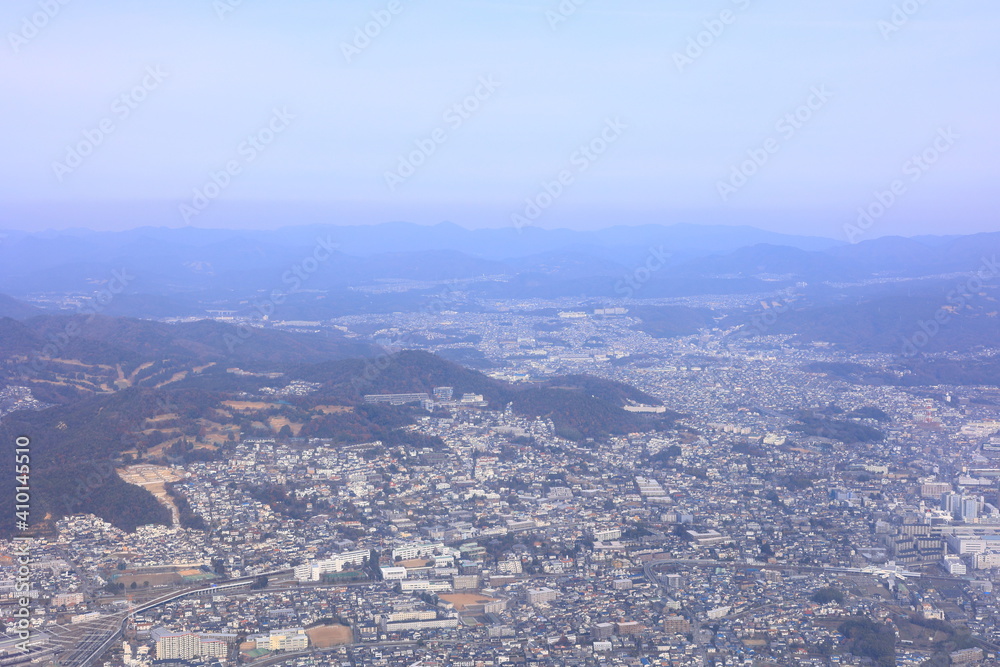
(325, 636)
(214, 440)
(166, 431)
(77, 362)
(333, 409)
(161, 449)
(277, 423)
(133, 374)
(154, 579)
(174, 378)
(162, 418)
(249, 405)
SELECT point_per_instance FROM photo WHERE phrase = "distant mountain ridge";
(315, 271)
(165, 260)
(16, 309)
(394, 237)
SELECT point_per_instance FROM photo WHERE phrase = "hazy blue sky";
(881, 93)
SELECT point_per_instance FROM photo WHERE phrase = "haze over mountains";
(865, 296)
(186, 269)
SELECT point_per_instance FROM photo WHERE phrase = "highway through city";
(96, 642)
